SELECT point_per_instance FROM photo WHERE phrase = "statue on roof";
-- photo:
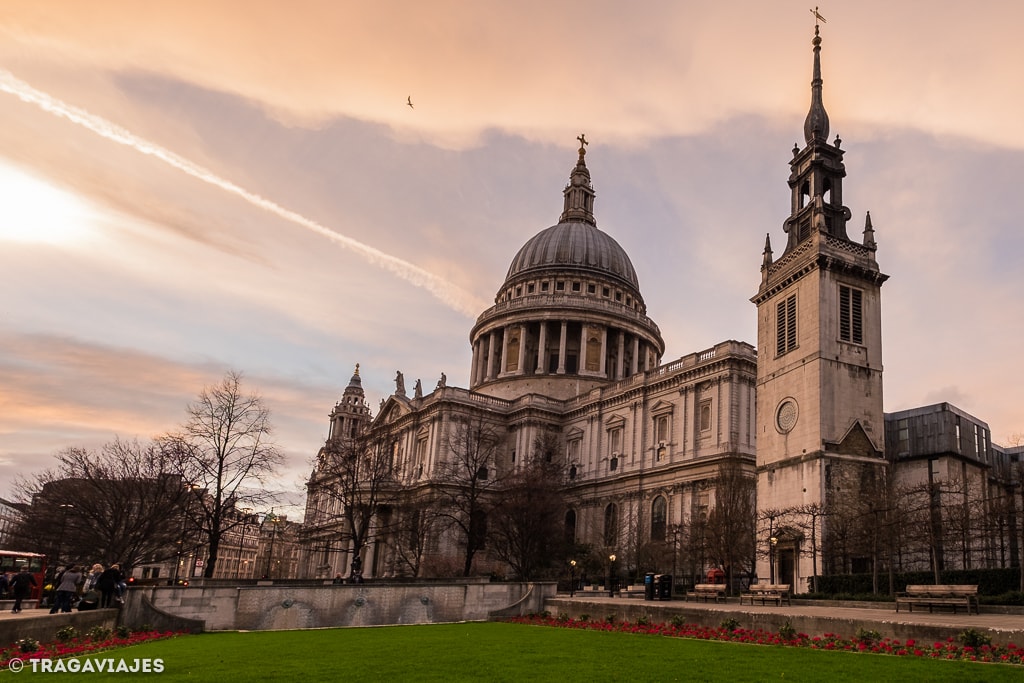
(417, 391)
(399, 383)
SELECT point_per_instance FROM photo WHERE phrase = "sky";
(189, 188)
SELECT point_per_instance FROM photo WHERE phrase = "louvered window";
(851, 320)
(785, 325)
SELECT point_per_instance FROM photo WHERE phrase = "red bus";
(13, 563)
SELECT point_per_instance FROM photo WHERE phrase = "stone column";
(582, 365)
(504, 351)
(561, 348)
(489, 375)
(622, 353)
(521, 366)
(603, 369)
(542, 360)
(636, 356)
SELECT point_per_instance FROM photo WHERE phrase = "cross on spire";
(817, 17)
(582, 137)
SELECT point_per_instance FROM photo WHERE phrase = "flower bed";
(28, 648)
(970, 646)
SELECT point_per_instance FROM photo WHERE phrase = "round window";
(785, 416)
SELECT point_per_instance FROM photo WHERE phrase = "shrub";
(642, 621)
(67, 634)
(786, 631)
(677, 620)
(123, 631)
(584, 617)
(973, 638)
(609, 619)
(867, 636)
(28, 645)
(563, 616)
(730, 625)
(98, 633)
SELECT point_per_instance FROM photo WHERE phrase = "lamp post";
(273, 519)
(772, 542)
(611, 561)
(572, 578)
(64, 507)
(241, 552)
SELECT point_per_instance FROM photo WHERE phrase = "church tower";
(820, 424)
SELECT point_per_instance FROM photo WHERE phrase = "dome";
(570, 245)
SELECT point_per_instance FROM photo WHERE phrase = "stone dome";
(574, 245)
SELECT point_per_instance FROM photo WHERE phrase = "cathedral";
(729, 459)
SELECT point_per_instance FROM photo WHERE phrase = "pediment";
(615, 422)
(393, 409)
(857, 442)
(573, 434)
(662, 407)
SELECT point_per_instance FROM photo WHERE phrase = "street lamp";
(611, 561)
(572, 578)
(241, 552)
(64, 507)
(273, 519)
(772, 542)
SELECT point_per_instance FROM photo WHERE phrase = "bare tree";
(729, 532)
(224, 453)
(466, 481)
(121, 504)
(418, 524)
(526, 527)
(359, 474)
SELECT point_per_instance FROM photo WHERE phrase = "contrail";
(449, 294)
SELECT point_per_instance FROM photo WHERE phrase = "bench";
(765, 592)
(715, 591)
(939, 596)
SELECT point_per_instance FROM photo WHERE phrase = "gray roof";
(574, 245)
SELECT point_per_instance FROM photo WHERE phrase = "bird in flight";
(409, 102)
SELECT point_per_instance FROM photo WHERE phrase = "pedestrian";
(22, 588)
(107, 584)
(5, 583)
(338, 580)
(93, 577)
(67, 586)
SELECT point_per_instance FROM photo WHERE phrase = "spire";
(816, 123)
(766, 258)
(355, 382)
(579, 193)
(869, 233)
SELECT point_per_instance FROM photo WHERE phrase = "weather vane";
(817, 17)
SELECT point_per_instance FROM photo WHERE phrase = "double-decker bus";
(13, 563)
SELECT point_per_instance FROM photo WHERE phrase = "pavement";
(1005, 624)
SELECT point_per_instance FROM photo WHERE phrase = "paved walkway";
(1005, 624)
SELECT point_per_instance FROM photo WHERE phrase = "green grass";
(513, 652)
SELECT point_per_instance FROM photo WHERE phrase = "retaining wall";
(43, 626)
(274, 607)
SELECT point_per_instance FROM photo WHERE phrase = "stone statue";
(417, 391)
(399, 383)
(443, 382)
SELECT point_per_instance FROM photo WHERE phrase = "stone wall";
(271, 607)
(43, 626)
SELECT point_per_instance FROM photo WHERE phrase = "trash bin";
(649, 586)
(663, 586)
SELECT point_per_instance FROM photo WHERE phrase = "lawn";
(513, 652)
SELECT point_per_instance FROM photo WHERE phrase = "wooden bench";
(766, 592)
(715, 591)
(941, 595)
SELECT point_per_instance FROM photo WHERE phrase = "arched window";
(659, 515)
(570, 527)
(611, 524)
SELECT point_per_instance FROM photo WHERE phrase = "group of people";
(18, 585)
(98, 587)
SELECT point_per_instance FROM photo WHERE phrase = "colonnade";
(560, 347)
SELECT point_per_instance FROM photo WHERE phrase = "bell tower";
(819, 353)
